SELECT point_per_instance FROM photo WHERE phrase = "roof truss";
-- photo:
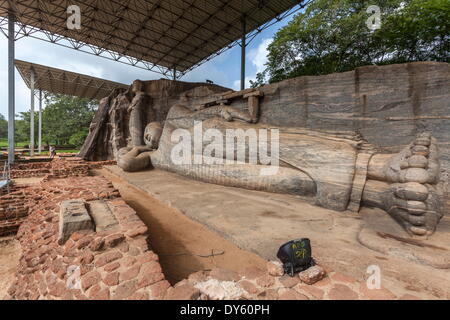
(156, 35)
(59, 81)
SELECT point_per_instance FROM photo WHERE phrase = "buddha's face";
(152, 135)
(138, 86)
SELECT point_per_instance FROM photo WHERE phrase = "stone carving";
(135, 110)
(142, 103)
(322, 120)
(315, 165)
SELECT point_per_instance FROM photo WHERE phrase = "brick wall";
(57, 168)
(13, 209)
(14, 206)
(115, 264)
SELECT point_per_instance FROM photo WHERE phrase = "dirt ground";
(9, 259)
(183, 245)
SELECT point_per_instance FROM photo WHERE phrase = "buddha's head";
(137, 86)
(152, 135)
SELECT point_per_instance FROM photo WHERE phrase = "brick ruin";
(58, 168)
(15, 201)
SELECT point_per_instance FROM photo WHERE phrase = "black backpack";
(296, 256)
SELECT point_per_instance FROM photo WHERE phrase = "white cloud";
(258, 58)
(258, 55)
(237, 83)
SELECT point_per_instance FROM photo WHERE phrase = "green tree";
(3, 127)
(332, 36)
(65, 120)
(78, 138)
(22, 130)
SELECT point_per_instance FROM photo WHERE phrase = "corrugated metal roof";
(177, 34)
(65, 82)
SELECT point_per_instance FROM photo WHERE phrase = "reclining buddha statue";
(335, 171)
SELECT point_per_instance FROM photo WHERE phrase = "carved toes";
(416, 206)
(419, 162)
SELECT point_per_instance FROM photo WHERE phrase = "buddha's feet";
(414, 198)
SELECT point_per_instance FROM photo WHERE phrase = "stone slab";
(102, 215)
(73, 217)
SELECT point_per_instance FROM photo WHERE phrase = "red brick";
(90, 279)
(275, 268)
(58, 289)
(149, 279)
(124, 290)
(266, 281)
(199, 276)
(97, 244)
(147, 257)
(137, 232)
(409, 297)
(342, 292)
(84, 242)
(340, 277)
(290, 294)
(252, 273)
(184, 292)
(289, 282)
(86, 258)
(114, 240)
(312, 275)
(111, 267)
(312, 291)
(101, 294)
(111, 279)
(138, 296)
(269, 294)
(248, 286)
(107, 258)
(158, 290)
(151, 267)
(224, 275)
(130, 273)
(128, 261)
(376, 294)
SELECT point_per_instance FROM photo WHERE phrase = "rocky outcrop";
(109, 130)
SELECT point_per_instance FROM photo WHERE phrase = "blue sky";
(223, 70)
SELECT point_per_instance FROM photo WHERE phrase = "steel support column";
(243, 47)
(32, 84)
(11, 88)
(40, 122)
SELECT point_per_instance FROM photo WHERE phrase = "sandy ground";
(9, 259)
(183, 245)
(26, 181)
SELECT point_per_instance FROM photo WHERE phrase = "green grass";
(4, 144)
(46, 153)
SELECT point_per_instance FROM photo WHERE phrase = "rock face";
(388, 105)
(110, 128)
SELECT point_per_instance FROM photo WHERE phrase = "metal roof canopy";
(157, 35)
(65, 82)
